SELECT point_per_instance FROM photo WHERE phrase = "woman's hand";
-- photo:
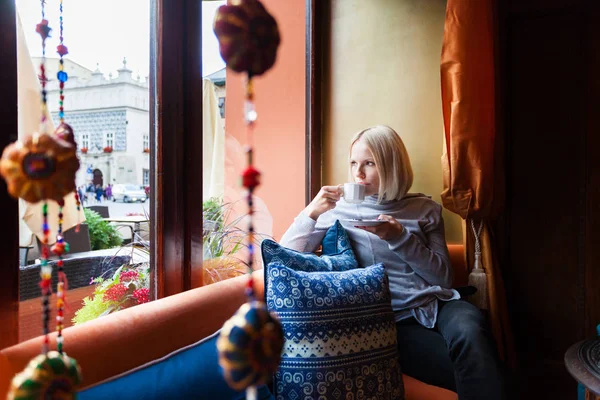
(324, 201)
(389, 230)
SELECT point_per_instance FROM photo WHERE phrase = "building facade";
(110, 119)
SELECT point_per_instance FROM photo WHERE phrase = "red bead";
(250, 178)
(43, 29)
(58, 249)
(62, 50)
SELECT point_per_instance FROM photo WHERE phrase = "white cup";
(354, 192)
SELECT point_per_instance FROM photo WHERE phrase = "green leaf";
(102, 234)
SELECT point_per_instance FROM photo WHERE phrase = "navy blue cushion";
(336, 240)
(340, 334)
(337, 253)
(192, 372)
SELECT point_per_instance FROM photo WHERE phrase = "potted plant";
(84, 150)
(103, 235)
(108, 149)
(222, 239)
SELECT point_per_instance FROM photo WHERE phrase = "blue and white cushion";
(340, 334)
(337, 253)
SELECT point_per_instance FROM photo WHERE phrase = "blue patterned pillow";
(340, 334)
(337, 253)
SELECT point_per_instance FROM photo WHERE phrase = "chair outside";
(78, 241)
(23, 253)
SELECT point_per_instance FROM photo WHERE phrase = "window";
(109, 140)
(173, 136)
(100, 104)
(146, 142)
(146, 177)
(222, 106)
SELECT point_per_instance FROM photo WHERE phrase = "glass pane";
(222, 232)
(106, 101)
(279, 145)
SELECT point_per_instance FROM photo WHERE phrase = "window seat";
(124, 341)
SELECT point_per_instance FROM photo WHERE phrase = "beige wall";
(385, 69)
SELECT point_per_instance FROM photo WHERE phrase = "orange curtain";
(472, 161)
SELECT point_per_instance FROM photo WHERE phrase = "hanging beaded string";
(62, 77)
(61, 246)
(46, 270)
(251, 342)
(250, 179)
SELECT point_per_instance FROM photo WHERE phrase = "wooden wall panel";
(9, 284)
(538, 7)
(592, 243)
(551, 58)
(545, 177)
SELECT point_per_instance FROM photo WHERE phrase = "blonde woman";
(442, 340)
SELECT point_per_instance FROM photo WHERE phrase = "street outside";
(120, 209)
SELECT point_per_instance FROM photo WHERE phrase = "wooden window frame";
(9, 245)
(317, 12)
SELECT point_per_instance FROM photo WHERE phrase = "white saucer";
(364, 222)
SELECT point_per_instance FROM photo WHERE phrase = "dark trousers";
(458, 354)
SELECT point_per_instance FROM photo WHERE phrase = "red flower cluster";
(128, 276)
(115, 293)
(142, 295)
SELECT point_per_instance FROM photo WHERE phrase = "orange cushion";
(417, 390)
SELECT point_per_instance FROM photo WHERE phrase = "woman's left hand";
(389, 230)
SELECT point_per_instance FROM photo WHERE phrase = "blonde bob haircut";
(391, 160)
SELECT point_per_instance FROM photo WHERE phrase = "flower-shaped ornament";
(248, 36)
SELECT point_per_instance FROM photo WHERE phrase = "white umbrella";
(29, 119)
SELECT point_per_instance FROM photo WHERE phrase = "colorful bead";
(43, 29)
(59, 249)
(250, 178)
(62, 76)
(62, 50)
(250, 112)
